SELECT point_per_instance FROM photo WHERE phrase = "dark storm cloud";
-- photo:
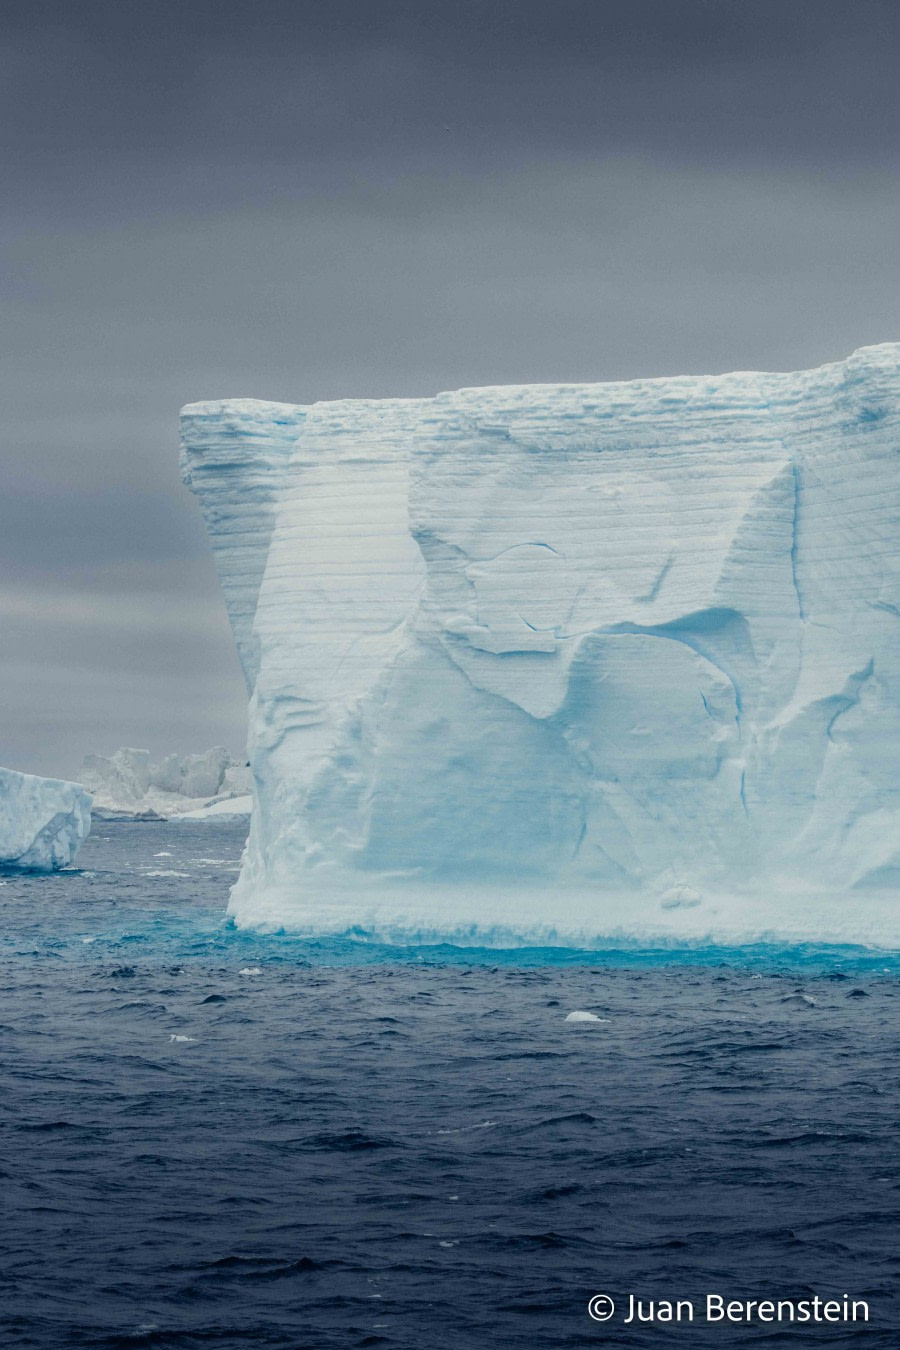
(301, 201)
(201, 104)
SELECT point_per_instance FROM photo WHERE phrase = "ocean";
(213, 1138)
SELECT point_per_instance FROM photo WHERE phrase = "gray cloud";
(300, 201)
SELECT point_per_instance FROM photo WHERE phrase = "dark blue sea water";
(214, 1139)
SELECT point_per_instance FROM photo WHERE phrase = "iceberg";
(569, 663)
(43, 822)
(127, 786)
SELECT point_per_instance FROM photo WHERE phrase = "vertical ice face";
(43, 822)
(234, 455)
(551, 662)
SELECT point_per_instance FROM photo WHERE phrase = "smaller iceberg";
(127, 786)
(43, 822)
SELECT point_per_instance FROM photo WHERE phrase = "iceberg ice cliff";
(127, 785)
(43, 822)
(560, 663)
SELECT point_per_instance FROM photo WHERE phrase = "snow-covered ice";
(127, 784)
(561, 663)
(227, 809)
(43, 822)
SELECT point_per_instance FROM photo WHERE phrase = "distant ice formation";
(127, 785)
(43, 822)
(567, 663)
(224, 809)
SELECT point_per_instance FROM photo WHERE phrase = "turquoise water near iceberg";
(212, 1137)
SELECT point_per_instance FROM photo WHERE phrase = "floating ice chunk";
(181, 1039)
(584, 1017)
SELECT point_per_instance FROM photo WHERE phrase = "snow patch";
(234, 808)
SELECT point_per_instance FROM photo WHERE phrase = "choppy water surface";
(218, 1139)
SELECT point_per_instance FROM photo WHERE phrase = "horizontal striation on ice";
(43, 822)
(234, 455)
(527, 662)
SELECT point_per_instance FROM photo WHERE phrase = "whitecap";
(164, 854)
(800, 1000)
(250, 970)
(163, 872)
(464, 1129)
(181, 1039)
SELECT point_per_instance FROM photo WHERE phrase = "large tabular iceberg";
(43, 822)
(559, 663)
(127, 786)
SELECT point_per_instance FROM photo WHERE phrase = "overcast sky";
(301, 200)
